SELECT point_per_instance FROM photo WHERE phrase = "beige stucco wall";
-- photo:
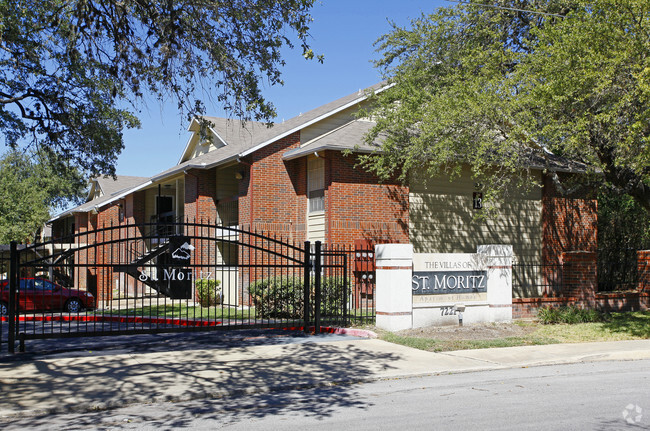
(442, 220)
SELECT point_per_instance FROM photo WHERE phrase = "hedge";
(282, 297)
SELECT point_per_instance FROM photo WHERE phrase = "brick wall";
(272, 201)
(358, 206)
(569, 223)
(527, 308)
(580, 285)
(580, 276)
(200, 206)
(200, 195)
(623, 301)
(106, 254)
(135, 208)
(134, 217)
(83, 278)
(643, 270)
(272, 196)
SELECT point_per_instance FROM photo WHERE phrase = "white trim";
(126, 192)
(189, 141)
(302, 152)
(91, 191)
(179, 168)
(309, 123)
(96, 207)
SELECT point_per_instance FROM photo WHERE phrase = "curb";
(354, 332)
(219, 394)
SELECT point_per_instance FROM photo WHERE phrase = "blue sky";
(343, 30)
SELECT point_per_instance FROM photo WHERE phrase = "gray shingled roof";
(111, 189)
(241, 138)
(245, 138)
(112, 186)
(350, 136)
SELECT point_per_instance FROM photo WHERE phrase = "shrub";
(278, 297)
(282, 297)
(570, 315)
(334, 296)
(208, 292)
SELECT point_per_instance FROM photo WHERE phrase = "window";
(43, 285)
(316, 184)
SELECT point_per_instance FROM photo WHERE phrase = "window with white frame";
(316, 184)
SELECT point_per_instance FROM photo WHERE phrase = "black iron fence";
(531, 280)
(130, 279)
(617, 271)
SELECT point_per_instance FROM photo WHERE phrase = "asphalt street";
(608, 395)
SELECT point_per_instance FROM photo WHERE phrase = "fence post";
(346, 293)
(317, 282)
(306, 271)
(13, 307)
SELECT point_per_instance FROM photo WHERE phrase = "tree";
(586, 91)
(71, 71)
(29, 187)
(508, 87)
(623, 228)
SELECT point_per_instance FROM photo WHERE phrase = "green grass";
(183, 311)
(357, 317)
(615, 327)
(434, 345)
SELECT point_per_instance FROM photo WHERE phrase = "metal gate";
(152, 278)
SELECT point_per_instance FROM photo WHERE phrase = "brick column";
(643, 270)
(201, 195)
(580, 276)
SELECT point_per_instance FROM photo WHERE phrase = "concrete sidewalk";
(90, 381)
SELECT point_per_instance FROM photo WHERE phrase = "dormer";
(95, 190)
(197, 145)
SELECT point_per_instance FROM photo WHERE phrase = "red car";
(40, 294)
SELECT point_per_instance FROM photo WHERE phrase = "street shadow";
(306, 378)
(317, 403)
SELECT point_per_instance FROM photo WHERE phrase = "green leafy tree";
(29, 188)
(72, 72)
(503, 86)
(623, 228)
(586, 89)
